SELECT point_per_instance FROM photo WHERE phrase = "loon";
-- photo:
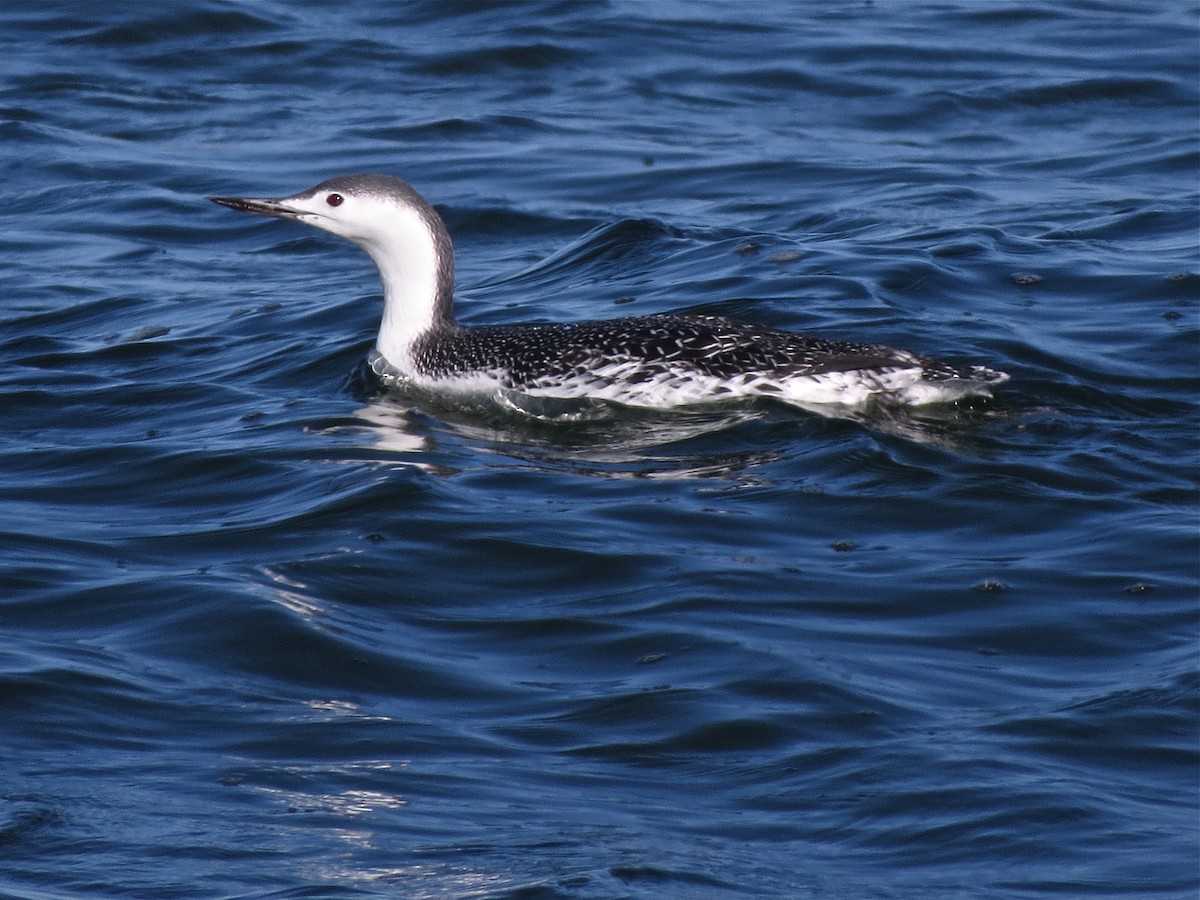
(647, 361)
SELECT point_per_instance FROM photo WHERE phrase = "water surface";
(271, 632)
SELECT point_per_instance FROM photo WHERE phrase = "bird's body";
(652, 361)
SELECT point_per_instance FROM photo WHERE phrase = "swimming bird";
(649, 361)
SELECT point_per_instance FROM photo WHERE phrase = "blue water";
(270, 632)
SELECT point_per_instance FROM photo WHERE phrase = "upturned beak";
(274, 208)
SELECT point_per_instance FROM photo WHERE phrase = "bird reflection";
(618, 442)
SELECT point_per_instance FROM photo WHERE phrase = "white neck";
(408, 263)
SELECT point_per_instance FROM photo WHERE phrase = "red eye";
(335, 199)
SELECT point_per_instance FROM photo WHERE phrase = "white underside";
(611, 383)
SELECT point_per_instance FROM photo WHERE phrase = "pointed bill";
(259, 207)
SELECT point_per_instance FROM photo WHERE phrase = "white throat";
(407, 257)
